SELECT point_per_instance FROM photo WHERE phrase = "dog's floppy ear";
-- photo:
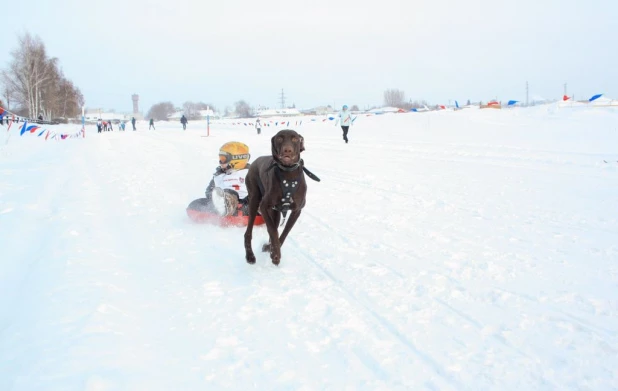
(272, 146)
(302, 143)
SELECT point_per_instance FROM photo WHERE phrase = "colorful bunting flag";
(23, 128)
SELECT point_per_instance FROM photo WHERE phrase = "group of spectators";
(106, 126)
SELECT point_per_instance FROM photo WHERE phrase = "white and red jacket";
(231, 179)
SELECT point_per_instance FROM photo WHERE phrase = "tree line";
(35, 86)
(397, 98)
(162, 110)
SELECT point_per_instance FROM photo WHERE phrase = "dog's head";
(287, 146)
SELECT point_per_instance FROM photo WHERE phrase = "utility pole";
(565, 89)
(527, 95)
(207, 121)
(282, 99)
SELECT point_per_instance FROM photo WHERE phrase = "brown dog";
(276, 185)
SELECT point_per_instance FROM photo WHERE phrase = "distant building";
(382, 110)
(319, 110)
(202, 116)
(278, 113)
(176, 116)
(92, 115)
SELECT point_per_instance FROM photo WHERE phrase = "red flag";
(564, 97)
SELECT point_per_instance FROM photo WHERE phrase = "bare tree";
(243, 110)
(192, 109)
(72, 99)
(394, 98)
(7, 93)
(49, 104)
(29, 71)
(413, 104)
(161, 111)
(35, 82)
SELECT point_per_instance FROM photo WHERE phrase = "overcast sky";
(322, 51)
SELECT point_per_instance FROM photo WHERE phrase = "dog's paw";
(250, 259)
(275, 255)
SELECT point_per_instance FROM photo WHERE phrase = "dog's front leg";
(288, 226)
(271, 218)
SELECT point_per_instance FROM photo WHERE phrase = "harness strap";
(310, 174)
(294, 167)
(288, 189)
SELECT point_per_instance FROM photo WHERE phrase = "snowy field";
(469, 250)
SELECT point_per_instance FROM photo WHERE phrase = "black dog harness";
(288, 187)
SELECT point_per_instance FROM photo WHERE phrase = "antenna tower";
(282, 99)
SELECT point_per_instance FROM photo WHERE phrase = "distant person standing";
(99, 125)
(183, 121)
(133, 122)
(151, 124)
(345, 117)
(258, 126)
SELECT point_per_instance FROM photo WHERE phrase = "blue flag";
(24, 128)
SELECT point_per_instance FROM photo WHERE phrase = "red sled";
(199, 212)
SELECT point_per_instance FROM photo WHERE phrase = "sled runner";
(201, 212)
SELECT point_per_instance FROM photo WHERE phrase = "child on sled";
(227, 192)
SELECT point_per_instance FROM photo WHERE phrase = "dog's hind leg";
(249, 255)
(253, 209)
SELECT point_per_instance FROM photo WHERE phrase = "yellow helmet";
(235, 154)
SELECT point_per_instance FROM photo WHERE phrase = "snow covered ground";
(468, 250)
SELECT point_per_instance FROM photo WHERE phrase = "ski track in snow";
(416, 264)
